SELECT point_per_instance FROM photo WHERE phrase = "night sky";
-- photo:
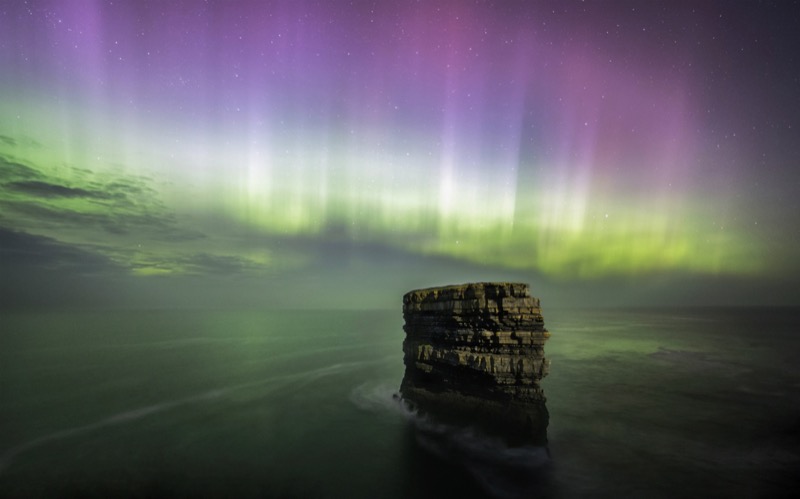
(337, 154)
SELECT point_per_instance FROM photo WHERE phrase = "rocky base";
(474, 355)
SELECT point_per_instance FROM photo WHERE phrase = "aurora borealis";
(584, 145)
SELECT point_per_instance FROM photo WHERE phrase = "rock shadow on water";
(447, 459)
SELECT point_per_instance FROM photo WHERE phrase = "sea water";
(643, 403)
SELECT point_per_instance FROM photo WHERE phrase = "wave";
(138, 413)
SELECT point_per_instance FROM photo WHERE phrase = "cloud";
(113, 203)
(221, 264)
(157, 225)
(22, 141)
(41, 271)
(191, 264)
(97, 220)
(12, 170)
(49, 217)
(21, 250)
(48, 190)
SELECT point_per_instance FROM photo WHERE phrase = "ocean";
(654, 403)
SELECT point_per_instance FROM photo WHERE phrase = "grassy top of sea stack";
(468, 291)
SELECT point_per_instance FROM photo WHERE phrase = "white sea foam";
(379, 397)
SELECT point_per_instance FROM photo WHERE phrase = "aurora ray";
(575, 142)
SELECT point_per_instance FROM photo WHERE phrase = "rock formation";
(474, 355)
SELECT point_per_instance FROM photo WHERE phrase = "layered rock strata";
(474, 354)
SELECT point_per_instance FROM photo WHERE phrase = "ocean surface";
(643, 403)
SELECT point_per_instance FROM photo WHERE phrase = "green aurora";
(290, 179)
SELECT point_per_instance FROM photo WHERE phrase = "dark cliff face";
(474, 355)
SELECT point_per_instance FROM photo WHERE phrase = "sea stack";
(474, 355)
